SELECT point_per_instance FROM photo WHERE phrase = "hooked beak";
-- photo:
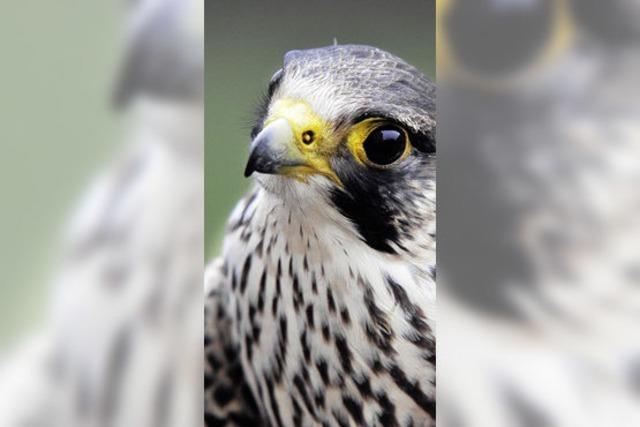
(274, 150)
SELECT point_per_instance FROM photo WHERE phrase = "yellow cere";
(316, 151)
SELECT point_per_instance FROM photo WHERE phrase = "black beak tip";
(252, 165)
(260, 160)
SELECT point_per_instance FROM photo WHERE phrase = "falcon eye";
(385, 145)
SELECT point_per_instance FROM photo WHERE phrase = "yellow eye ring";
(378, 143)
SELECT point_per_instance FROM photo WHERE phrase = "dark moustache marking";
(375, 200)
(363, 201)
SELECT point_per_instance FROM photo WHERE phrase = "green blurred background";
(245, 43)
(58, 64)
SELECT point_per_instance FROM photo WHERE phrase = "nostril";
(308, 137)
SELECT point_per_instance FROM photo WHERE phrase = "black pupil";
(385, 145)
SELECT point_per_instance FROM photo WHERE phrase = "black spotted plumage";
(329, 293)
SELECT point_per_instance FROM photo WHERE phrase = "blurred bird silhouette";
(537, 277)
(123, 342)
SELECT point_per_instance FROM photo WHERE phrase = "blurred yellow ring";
(450, 68)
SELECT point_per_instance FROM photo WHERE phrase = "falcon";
(321, 308)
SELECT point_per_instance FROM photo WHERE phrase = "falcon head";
(350, 131)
